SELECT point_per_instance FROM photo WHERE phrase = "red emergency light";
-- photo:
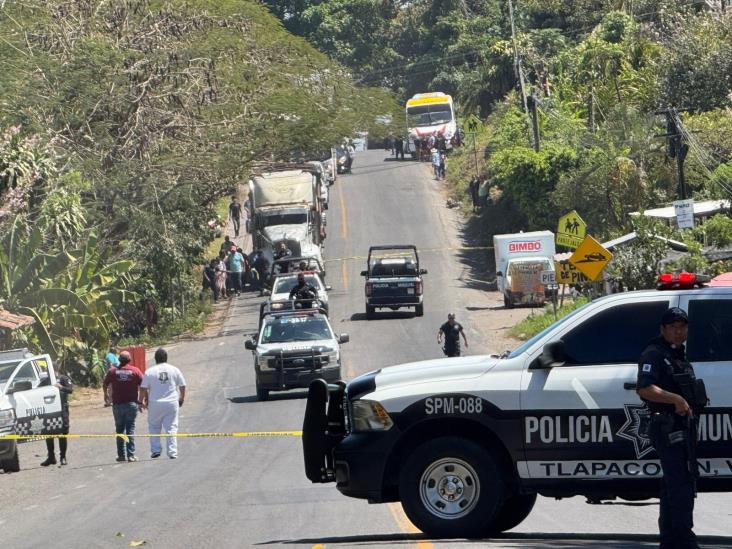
(680, 281)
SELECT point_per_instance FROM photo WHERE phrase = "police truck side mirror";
(20, 386)
(423, 271)
(364, 273)
(499, 273)
(266, 292)
(553, 354)
(250, 344)
(344, 338)
(328, 288)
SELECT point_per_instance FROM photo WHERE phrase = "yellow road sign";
(568, 273)
(570, 230)
(590, 257)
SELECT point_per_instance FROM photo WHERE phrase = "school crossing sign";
(570, 230)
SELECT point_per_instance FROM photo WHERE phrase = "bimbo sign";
(524, 246)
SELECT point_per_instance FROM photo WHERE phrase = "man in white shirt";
(163, 391)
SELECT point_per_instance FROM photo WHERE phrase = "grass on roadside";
(535, 323)
(222, 212)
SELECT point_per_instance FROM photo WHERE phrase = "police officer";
(65, 388)
(667, 385)
(452, 331)
(303, 293)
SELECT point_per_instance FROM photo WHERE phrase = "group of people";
(228, 273)
(479, 192)
(396, 146)
(439, 163)
(161, 390)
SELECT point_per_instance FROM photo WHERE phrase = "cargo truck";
(522, 263)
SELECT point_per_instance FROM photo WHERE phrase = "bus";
(428, 113)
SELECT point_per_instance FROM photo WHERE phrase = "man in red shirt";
(125, 380)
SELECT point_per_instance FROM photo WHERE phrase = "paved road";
(252, 492)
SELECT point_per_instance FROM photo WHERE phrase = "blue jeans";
(124, 423)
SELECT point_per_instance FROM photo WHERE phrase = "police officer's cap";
(674, 314)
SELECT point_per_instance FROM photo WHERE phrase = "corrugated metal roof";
(13, 321)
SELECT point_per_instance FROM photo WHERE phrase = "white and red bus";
(428, 113)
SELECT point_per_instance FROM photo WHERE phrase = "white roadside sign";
(548, 277)
(684, 210)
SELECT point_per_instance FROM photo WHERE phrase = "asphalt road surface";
(252, 492)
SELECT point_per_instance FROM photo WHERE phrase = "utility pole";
(531, 101)
(675, 146)
(516, 58)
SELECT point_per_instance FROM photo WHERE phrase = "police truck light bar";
(681, 281)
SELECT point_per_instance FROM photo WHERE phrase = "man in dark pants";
(399, 147)
(235, 214)
(125, 381)
(452, 331)
(664, 376)
(65, 388)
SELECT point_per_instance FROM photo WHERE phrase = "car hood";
(389, 381)
(292, 346)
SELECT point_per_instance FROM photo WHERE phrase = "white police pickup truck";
(30, 404)
(466, 444)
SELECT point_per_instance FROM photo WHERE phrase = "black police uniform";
(65, 389)
(452, 338)
(668, 433)
(304, 295)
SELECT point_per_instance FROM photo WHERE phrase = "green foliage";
(535, 323)
(716, 231)
(636, 265)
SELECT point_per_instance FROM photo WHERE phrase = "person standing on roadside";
(236, 270)
(451, 331)
(473, 190)
(125, 382)
(163, 392)
(399, 147)
(65, 388)
(435, 162)
(110, 361)
(235, 214)
(667, 385)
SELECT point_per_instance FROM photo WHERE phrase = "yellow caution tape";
(421, 251)
(244, 434)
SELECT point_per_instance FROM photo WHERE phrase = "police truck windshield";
(6, 370)
(296, 328)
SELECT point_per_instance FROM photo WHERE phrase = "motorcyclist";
(303, 293)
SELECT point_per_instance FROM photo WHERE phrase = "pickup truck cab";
(393, 279)
(30, 404)
(292, 349)
(466, 444)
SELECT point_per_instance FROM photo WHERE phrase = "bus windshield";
(428, 115)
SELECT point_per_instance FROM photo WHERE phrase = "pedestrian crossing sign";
(570, 230)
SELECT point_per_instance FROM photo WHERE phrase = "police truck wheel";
(419, 310)
(11, 465)
(370, 311)
(450, 487)
(262, 394)
(513, 512)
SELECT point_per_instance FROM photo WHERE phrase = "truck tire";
(12, 464)
(451, 487)
(513, 512)
(370, 311)
(507, 302)
(262, 394)
(419, 310)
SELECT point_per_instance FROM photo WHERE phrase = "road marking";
(405, 525)
(344, 226)
(318, 546)
(344, 275)
(56, 496)
(30, 507)
(80, 486)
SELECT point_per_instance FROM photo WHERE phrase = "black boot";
(51, 460)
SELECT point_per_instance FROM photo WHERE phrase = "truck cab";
(393, 279)
(30, 403)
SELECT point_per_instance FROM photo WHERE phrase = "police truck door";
(36, 400)
(580, 419)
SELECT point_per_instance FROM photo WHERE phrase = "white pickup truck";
(30, 403)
